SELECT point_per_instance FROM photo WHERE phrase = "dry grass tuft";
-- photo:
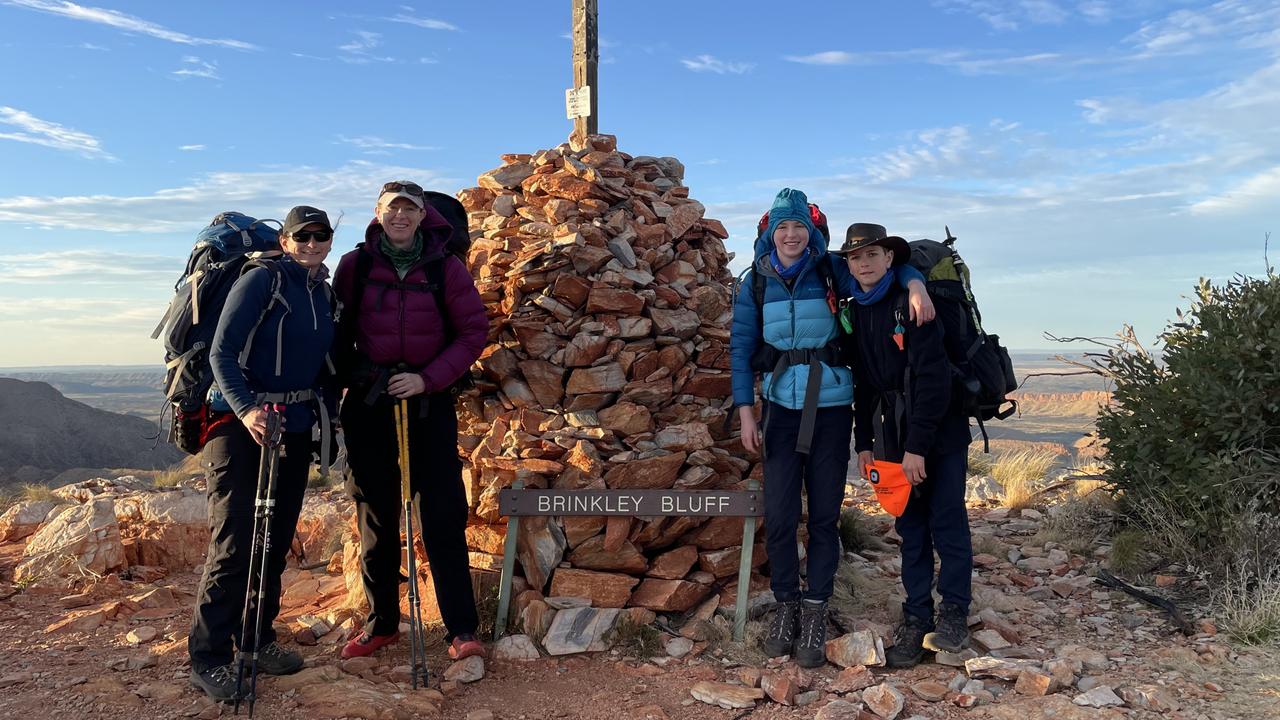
(1020, 473)
(635, 640)
(36, 492)
(1248, 605)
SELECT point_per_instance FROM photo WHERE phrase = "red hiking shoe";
(464, 646)
(366, 644)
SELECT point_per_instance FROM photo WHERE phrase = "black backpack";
(458, 244)
(981, 365)
(229, 246)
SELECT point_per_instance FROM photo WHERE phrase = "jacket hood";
(434, 228)
(789, 205)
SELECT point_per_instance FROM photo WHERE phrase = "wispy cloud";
(193, 66)
(428, 23)
(713, 64)
(1012, 14)
(35, 131)
(963, 61)
(121, 21)
(91, 46)
(1254, 193)
(1187, 31)
(374, 144)
(829, 57)
(184, 208)
(360, 50)
(84, 267)
(191, 148)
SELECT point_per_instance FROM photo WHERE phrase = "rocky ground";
(1049, 642)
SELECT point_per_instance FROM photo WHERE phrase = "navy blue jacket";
(290, 346)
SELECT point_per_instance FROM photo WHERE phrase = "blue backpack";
(223, 251)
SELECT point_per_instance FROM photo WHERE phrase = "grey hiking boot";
(952, 633)
(782, 630)
(908, 648)
(219, 683)
(811, 644)
(275, 660)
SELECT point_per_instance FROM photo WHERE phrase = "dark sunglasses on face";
(306, 236)
(403, 186)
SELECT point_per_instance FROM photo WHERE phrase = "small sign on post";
(577, 102)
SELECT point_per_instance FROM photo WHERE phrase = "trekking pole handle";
(275, 424)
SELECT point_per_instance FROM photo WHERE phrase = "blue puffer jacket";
(794, 318)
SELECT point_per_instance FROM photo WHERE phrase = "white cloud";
(1096, 11)
(359, 51)
(195, 67)
(35, 131)
(428, 23)
(710, 63)
(121, 21)
(371, 143)
(191, 148)
(1012, 14)
(1255, 193)
(183, 209)
(1187, 31)
(91, 46)
(85, 267)
(830, 57)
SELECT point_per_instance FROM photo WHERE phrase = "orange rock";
(609, 590)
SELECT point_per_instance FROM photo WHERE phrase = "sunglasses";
(403, 186)
(320, 236)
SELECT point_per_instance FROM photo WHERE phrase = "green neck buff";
(402, 259)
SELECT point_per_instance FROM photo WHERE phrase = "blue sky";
(1094, 157)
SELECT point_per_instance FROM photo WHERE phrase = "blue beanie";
(789, 205)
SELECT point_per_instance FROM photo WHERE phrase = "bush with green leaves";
(1193, 434)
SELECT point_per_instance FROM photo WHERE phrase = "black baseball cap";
(304, 215)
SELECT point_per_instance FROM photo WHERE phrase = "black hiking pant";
(821, 476)
(936, 520)
(230, 459)
(435, 473)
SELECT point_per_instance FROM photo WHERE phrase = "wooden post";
(586, 58)
(508, 569)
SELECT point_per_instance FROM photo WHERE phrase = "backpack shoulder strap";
(435, 278)
(757, 292)
(276, 281)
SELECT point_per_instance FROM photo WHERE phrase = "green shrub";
(1190, 435)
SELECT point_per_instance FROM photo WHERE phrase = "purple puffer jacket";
(404, 325)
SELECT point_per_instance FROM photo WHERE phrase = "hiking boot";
(365, 644)
(782, 631)
(219, 683)
(811, 643)
(275, 660)
(908, 643)
(952, 632)
(465, 645)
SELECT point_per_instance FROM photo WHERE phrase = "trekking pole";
(264, 509)
(417, 634)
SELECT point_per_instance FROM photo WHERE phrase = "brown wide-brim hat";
(860, 235)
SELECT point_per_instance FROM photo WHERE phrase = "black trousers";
(937, 520)
(821, 476)
(231, 460)
(435, 472)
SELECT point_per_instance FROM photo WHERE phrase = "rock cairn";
(609, 300)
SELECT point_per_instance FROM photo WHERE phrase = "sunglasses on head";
(306, 236)
(403, 186)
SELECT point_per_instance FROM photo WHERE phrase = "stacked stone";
(609, 301)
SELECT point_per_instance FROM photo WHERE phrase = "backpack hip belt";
(293, 397)
(814, 358)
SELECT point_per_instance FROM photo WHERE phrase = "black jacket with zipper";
(902, 398)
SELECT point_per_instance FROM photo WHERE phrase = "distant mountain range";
(43, 434)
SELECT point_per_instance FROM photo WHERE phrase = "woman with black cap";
(271, 347)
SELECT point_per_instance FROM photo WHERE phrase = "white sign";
(577, 103)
